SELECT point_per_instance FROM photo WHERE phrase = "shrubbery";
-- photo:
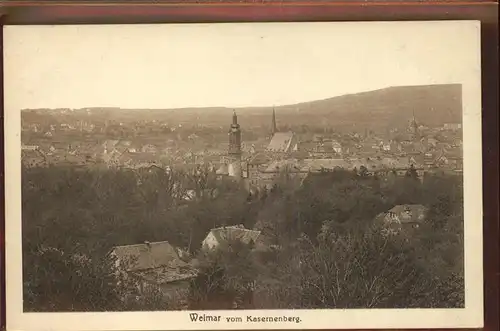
(330, 255)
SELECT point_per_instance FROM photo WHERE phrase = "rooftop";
(281, 142)
(146, 256)
(409, 213)
(235, 233)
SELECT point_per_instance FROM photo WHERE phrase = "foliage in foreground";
(329, 254)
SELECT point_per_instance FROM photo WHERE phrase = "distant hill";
(431, 105)
(388, 107)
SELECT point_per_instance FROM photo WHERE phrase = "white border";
(471, 316)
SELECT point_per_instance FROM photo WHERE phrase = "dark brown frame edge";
(486, 12)
(2, 195)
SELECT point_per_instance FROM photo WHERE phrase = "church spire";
(414, 126)
(273, 125)
(414, 121)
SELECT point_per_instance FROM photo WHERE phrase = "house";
(432, 142)
(402, 218)
(266, 176)
(29, 147)
(256, 164)
(336, 146)
(454, 157)
(156, 265)
(385, 146)
(452, 126)
(148, 148)
(111, 158)
(223, 170)
(319, 165)
(52, 149)
(227, 234)
(395, 147)
(109, 146)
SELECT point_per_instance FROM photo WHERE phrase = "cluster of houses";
(424, 148)
(110, 153)
(163, 267)
(170, 270)
(420, 148)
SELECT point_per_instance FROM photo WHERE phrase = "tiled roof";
(260, 158)
(223, 170)
(235, 233)
(169, 274)
(281, 142)
(148, 256)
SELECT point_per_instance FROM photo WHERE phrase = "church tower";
(273, 124)
(413, 127)
(234, 151)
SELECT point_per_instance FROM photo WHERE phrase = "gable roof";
(235, 233)
(223, 170)
(148, 256)
(260, 158)
(281, 142)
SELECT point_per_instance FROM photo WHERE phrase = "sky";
(230, 65)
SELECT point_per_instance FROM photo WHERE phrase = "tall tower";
(273, 124)
(414, 127)
(234, 151)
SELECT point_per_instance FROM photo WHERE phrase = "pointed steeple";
(273, 124)
(414, 122)
(414, 127)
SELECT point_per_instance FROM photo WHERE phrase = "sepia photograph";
(243, 176)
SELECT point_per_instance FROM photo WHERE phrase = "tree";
(363, 171)
(355, 171)
(71, 215)
(226, 278)
(412, 172)
(72, 281)
(358, 270)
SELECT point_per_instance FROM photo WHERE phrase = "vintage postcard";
(243, 176)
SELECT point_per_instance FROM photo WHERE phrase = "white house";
(222, 235)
